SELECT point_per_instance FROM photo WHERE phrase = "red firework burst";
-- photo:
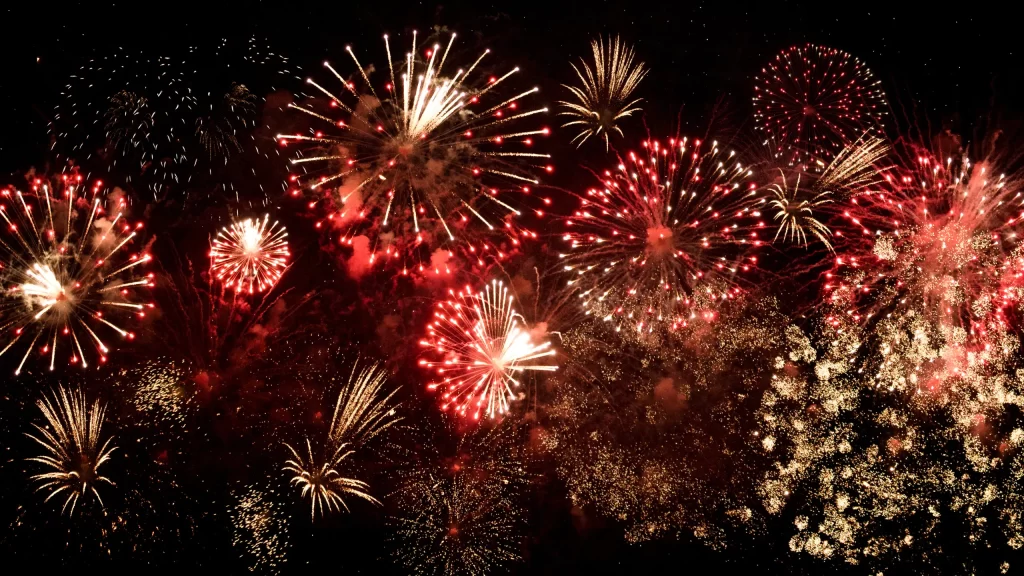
(817, 99)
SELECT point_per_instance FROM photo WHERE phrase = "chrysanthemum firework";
(817, 99)
(483, 345)
(250, 255)
(70, 276)
(661, 242)
(424, 155)
(604, 93)
(74, 448)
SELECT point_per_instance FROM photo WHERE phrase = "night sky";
(952, 67)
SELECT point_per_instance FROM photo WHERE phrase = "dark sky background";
(958, 66)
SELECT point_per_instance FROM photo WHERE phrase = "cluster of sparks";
(817, 99)
(483, 345)
(69, 275)
(604, 94)
(249, 256)
(661, 242)
(425, 160)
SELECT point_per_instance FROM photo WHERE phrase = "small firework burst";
(604, 92)
(484, 344)
(417, 164)
(74, 448)
(661, 242)
(250, 256)
(817, 99)
(794, 213)
(68, 271)
(323, 483)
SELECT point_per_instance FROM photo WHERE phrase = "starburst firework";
(69, 276)
(604, 91)
(484, 344)
(250, 256)
(419, 162)
(817, 99)
(74, 449)
(661, 241)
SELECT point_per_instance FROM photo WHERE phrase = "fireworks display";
(70, 276)
(250, 256)
(425, 154)
(603, 95)
(74, 448)
(483, 347)
(662, 241)
(817, 99)
(788, 342)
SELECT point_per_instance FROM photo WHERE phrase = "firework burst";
(935, 239)
(817, 99)
(74, 449)
(484, 344)
(417, 163)
(250, 256)
(663, 238)
(323, 483)
(69, 276)
(362, 411)
(602, 97)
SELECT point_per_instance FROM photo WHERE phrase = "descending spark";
(604, 91)
(419, 163)
(250, 256)
(69, 276)
(73, 448)
(483, 344)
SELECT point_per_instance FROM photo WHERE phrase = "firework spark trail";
(661, 242)
(817, 99)
(417, 163)
(362, 412)
(68, 272)
(250, 256)
(74, 450)
(484, 345)
(604, 92)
